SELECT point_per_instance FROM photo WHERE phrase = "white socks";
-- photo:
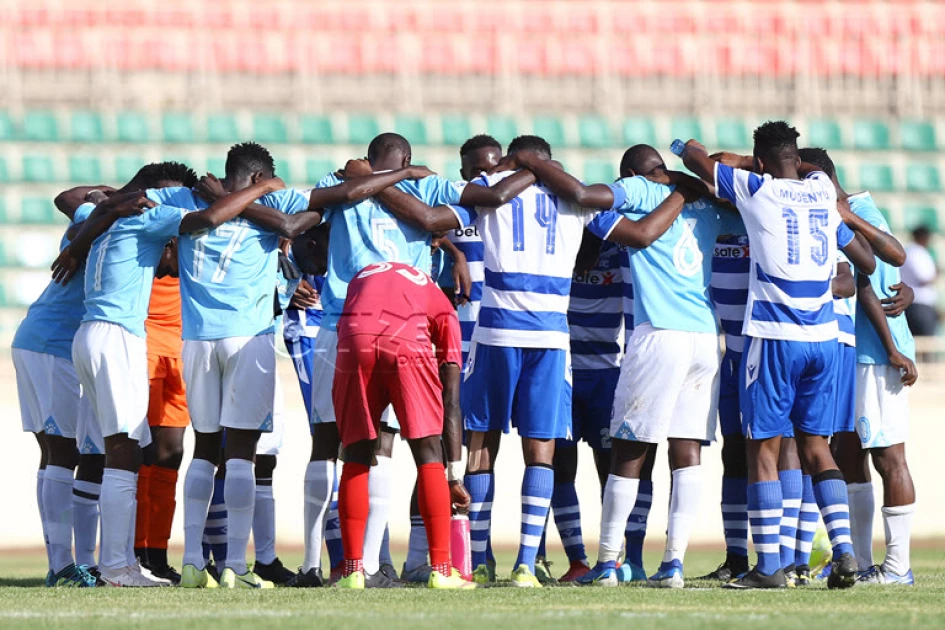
(264, 524)
(57, 510)
(85, 520)
(379, 491)
(319, 477)
(417, 550)
(620, 495)
(130, 544)
(239, 494)
(862, 508)
(684, 505)
(40, 477)
(117, 504)
(898, 524)
(198, 490)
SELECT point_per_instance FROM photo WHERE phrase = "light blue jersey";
(120, 268)
(869, 349)
(671, 276)
(228, 274)
(53, 319)
(365, 232)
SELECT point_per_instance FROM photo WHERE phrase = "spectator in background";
(920, 273)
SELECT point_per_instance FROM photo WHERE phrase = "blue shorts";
(845, 419)
(300, 349)
(729, 413)
(788, 384)
(528, 388)
(592, 403)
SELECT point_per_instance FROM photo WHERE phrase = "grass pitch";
(24, 602)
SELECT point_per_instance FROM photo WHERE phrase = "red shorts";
(372, 373)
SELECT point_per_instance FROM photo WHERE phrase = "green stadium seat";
(38, 168)
(551, 129)
(270, 129)
(283, 171)
(127, 166)
(316, 129)
(87, 127)
(923, 178)
(412, 128)
(877, 177)
(599, 171)
(455, 130)
(217, 166)
(133, 127)
(6, 126)
(3, 210)
(916, 216)
(870, 135)
(37, 210)
(222, 128)
(823, 133)
(177, 127)
(362, 128)
(841, 173)
(917, 135)
(639, 131)
(732, 133)
(40, 126)
(594, 132)
(502, 128)
(316, 169)
(85, 169)
(684, 129)
(4, 171)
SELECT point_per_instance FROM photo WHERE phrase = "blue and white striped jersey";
(529, 248)
(728, 286)
(468, 241)
(845, 309)
(794, 229)
(596, 313)
(626, 278)
(304, 322)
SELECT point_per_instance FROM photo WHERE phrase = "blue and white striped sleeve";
(735, 184)
(604, 223)
(844, 235)
(464, 214)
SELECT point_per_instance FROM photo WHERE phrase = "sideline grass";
(25, 603)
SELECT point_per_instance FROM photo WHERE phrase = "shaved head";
(640, 159)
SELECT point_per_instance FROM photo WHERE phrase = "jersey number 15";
(818, 220)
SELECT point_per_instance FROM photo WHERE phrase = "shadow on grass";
(21, 582)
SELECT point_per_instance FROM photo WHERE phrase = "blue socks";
(791, 492)
(807, 523)
(567, 511)
(831, 493)
(764, 515)
(537, 487)
(735, 515)
(214, 533)
(481, 487)
(635, 532)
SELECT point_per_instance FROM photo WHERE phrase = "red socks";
(353, 508)
(163, 504)
(433, 499)
(143, 516)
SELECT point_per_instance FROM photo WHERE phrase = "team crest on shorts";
(266, 424)
(863, 429)
(50, 427)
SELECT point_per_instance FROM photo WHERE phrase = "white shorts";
(230, 383)
(49, 391)
(324, 356)
(271, 443)
(88, 437)
(112, 365)
(668, 386)
(882, 406)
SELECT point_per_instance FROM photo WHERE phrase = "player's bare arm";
(462, 281)
(102, 218)
(897, 304)
(452, 435)
(642, 233)
(559, 181)
(886, 246)
(697, 160)
(69, 200)
(228, 207)
(860, 254)
(361, 182)
(498, 194)
(873, 309)
(843, 284)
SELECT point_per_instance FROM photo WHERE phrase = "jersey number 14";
(546, 215)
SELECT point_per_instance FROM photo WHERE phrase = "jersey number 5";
(818, 220)
(546, 214)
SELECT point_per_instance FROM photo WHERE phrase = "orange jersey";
(164, 319)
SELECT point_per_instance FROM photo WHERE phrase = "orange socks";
(163, 496)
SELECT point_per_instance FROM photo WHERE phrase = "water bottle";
(677, 147)
(461, 545)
